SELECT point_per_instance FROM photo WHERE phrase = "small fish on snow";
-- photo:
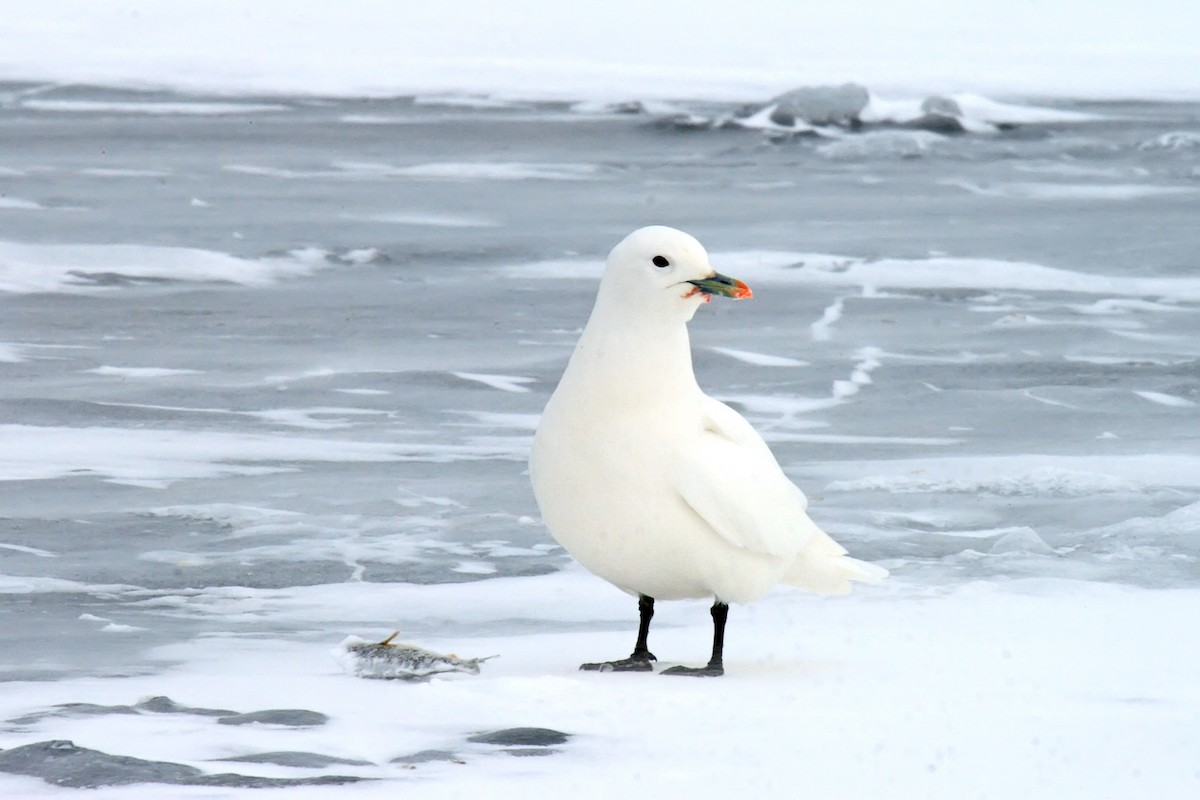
(390, 660)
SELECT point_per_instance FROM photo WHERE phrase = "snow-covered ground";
(1036, 688)
(284, 287)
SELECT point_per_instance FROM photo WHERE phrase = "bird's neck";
(637, 362)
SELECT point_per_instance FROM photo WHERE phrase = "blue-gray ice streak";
(75, 268)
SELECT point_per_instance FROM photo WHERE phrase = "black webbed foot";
(637, 662)
(707, 671)
(715, 666)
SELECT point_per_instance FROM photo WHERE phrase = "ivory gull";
(651, 484)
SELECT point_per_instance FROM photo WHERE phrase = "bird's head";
(664, 272)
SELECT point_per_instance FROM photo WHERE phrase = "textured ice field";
(269, 370)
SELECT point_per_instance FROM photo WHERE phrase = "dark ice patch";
(63, 763)
(517, 742)
(427, 756)
(71, 710)
(117, 279)
(292, 717)
(292, 758)
(165, 705)
(522, 737)
(153, 705)
(527, 752)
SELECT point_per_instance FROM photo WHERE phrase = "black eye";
(660, 261)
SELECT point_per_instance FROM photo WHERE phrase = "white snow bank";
(975, 110)
(1027, 689)
(616, 49)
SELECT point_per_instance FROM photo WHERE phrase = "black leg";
(645, 614)
(716, 664)
(639, 660)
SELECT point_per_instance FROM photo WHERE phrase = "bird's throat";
(634, 366)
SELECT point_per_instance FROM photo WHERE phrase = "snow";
(505, 383)
(710, 49)
(759, 359)
(845, 697)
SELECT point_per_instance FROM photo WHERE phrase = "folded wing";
(729, 477)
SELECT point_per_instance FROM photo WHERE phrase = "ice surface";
(1164, 399)
(891, 273)
(424, 218)
(234, 433)
(119, 107)
(1072, 191)
(504, 171)
(44, 268)
(505, 383)
(140, 372)
(759, 359)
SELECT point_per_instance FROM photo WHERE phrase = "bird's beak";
(724, 286)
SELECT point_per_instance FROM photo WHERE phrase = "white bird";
(651, 484)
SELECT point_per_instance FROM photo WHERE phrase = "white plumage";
(651, 484)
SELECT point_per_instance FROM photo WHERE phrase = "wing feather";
(730, 478)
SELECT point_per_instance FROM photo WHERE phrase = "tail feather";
(823, 567)
(864, 571)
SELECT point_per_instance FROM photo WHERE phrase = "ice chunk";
(1021, 540)
(820, 105)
